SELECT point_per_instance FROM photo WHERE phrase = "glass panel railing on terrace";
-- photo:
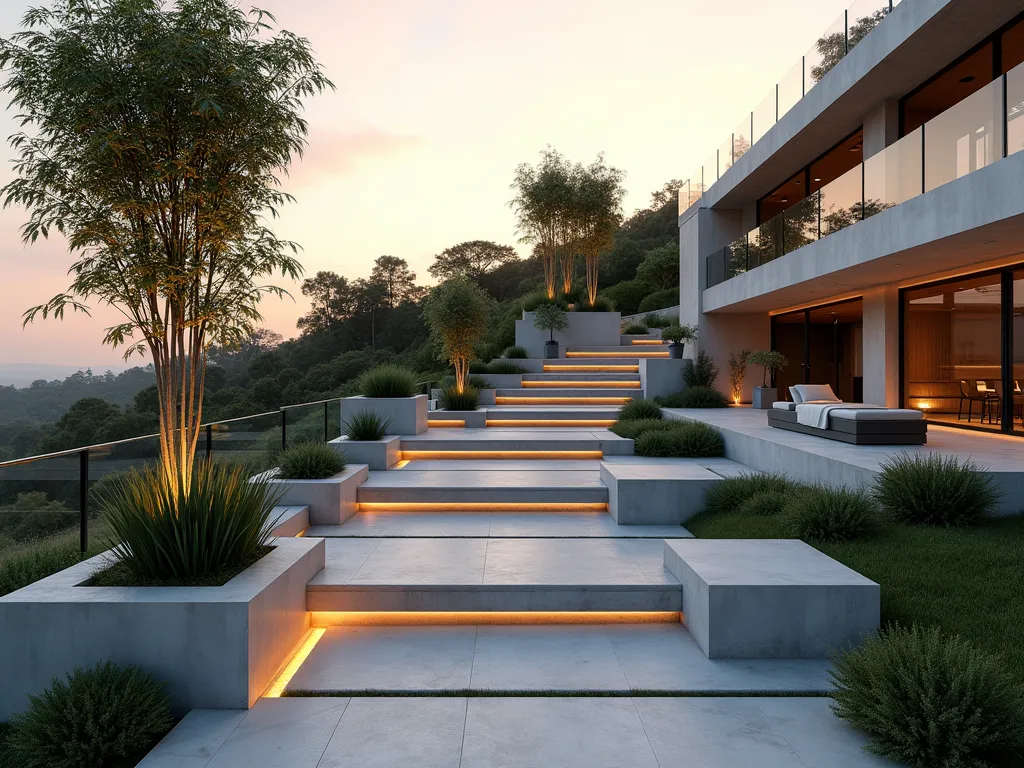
(842, 201)
(710, 170)
(1015, 109)
(829, 49)
(725, 156)
(965, 138)
(894, 175)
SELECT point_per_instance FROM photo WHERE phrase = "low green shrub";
(695, 397)
(931, 700)
(657, 320)
(935, 490)
(703, 372)
(696, 440)
(515, 353)
(477, 367)
(657, 443)
(633, 428)
(764, 504)
(728, 495)
(453, 400)
(365, 425)
(601, 304)
(103, 716)
(825, 514)
(669, 297)
(503, 367)
(387, 381)
(477, 382)
(531, 301)
(309, 461)
(635, 329)
(37, 561)
(640, 409)
(162, 535)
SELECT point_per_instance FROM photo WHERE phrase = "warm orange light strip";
(482, 506)
(616, 354)
(647, 342)
(401, 463)
(421, 455)
(427, 618)
(446, 422)
(581, 384)
(592, 368)
(296, 661)
(562, 400)
(550, 422)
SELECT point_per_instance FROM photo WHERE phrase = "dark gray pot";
(550, 350)
(675, 350)
(764, 397)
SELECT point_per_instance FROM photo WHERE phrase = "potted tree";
(771, 362)
(551, 318)
(678, 335)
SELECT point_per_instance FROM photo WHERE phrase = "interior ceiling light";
(967, 79)
(784, 200)
(817, 179)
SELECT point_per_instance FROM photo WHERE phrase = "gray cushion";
(805, 393)
(784, 405)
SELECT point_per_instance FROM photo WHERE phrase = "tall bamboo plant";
(457, 311)
(599, 194)
(152, 136)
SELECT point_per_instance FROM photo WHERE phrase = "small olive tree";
(550, 318)
(153, 134)
(457, 312)
(771, 363)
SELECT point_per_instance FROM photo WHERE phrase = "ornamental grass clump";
(764, 504)
(163, 535)
(365, 426)
(658, 443)
(633, 428)
(826, 514)
(695, 397)
(453, 400)
(639, 409)
(104, 716)
(515, 353)
(635, 329)
(387, 381)
(309, 461)
(931, 700)
(933, 489)
(730, 494)
(696, 440)
(503, 367)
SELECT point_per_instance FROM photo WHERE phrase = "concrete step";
(586, 376)
(550, 416)
(573, 391)
(483, 489)
(559, 383)
(541, 397)
(631, 349)
(584, 366)
(485, 442)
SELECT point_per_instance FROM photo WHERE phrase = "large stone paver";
(617, 732)
(560, 658)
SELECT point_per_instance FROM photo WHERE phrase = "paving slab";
(645, 493)
(482, 732)
(195, 740)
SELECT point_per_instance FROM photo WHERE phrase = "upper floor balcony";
(977, 132)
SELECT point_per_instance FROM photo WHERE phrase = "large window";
(956, 335)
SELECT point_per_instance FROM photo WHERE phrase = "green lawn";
(969, 581)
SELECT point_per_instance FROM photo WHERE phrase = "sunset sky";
(436, 104)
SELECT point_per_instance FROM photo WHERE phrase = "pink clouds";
(332, 153)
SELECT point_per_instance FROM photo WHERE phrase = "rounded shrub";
(931, 700)
(515, 353)
(365, 425)
(668, 297)
(387, 381)
(934, 489)
(695, 397)
(103, 716)
(763, 504)
(309, 461)
(820, 513)
(696, 440)
(659, 443)
(635, 329)
(633, 428)
(501, 366)
(656, 320)
(640, 409)
(453, 400)
(477, 367)
(730, 494)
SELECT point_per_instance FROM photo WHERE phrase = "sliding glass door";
(824, 345)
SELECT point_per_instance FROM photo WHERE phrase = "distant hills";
(22, 375)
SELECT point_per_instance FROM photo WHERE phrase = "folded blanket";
(816, 414)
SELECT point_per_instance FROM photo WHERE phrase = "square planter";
(331, 501)
(764, 397)
(408, 415)
(212, 647)
(473, 419)
(503, 380)
(487, 397)
(378, 455)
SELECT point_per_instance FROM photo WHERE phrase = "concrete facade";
(660, 376)
(217, 647)
(585, 329)
(408, 415)
(770, 599)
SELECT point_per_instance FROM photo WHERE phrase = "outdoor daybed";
(816, 410)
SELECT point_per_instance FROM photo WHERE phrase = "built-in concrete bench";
(770, 598)
(662, 492)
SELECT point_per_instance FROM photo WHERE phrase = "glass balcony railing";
(838, 40)
(961, 140)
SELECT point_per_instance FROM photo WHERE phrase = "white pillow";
(803, 393)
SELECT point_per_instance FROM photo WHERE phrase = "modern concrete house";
(867, 219)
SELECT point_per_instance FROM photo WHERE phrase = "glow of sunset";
(436, 104)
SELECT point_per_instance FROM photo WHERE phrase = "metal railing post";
(209, 442)
(325, 421)
(846, 30)
(83, 500)
(284, 429)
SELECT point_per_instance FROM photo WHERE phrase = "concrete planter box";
(503, 380)
(487, 397)
(212, 647)
(764, 397)
(408, 415)
(656, 492)
(331, 501)
(585, 329)
(474, 419)
(376, 454)
(660, 376)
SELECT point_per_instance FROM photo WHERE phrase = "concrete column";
(882, 346)
(881, 127)
(723, 333)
